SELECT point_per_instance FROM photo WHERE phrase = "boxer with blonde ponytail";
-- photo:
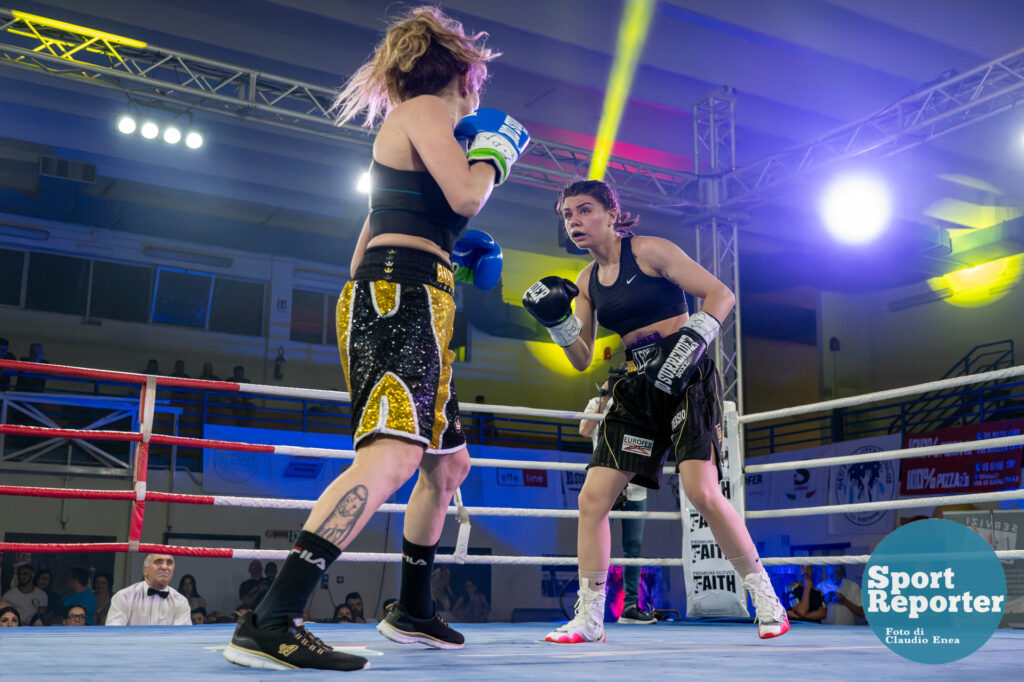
(395, 322)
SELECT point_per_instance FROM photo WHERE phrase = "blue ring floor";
(506, 652)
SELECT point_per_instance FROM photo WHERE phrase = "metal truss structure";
(714, 155)
(146, 73)
(150, 74)
(933, 111)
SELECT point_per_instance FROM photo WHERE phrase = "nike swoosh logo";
(630, 279)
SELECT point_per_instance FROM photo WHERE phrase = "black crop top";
(634, 300)
(411, 202)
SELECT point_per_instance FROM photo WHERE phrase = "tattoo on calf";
(339, 524)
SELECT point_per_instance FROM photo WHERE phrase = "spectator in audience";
(354, 601)
(152, 601)
(44, 581)
(75, 615)
(342, 614)
(5, 354)
(152, 367)
(472, 605)
(441, 588)
(199, 616)
(208, 374)
(249, 595)
(256, 569)
(239, 375)
(846, 606)
(101, 583)
(188, 589)
(9, 617)
(38, 619)
(179, 370)
(808, 602)
(25, 596)
(270, 571)
(34, 382)
(79, 595)
(243, 402)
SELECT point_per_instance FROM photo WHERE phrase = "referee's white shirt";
(131, 606)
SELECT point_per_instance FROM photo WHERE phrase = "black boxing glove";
(550, 301)
(670, 366)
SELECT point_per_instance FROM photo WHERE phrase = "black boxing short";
(394, 326)
(645, 424)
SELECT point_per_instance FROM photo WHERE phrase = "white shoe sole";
(633, 621)
(256, 659)
(395, 635)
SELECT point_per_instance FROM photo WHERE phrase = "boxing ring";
(510, 651)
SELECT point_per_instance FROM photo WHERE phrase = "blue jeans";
(632, 541)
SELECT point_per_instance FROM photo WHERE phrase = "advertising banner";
(973, 471)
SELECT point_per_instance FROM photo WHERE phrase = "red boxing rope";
(75, 493)
(123, 377)
(144, 548)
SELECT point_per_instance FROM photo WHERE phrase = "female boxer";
(394, 324)
(669, 401)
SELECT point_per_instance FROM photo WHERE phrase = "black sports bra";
(411, 202)
(634, 300)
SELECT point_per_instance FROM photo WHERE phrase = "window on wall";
(237, 307)
(12, 270)
(182, 297)
(121, 292)
(57, 284)
(307, 316)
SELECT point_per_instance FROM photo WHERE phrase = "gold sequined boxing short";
(394, 326)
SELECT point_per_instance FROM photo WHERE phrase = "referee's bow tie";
(160, 593)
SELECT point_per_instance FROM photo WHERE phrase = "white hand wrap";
(566, 332)
(705, 325)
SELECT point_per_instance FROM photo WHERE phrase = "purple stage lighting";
(856, 208)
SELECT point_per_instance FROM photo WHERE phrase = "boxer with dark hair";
(395, 321)
(669, 400)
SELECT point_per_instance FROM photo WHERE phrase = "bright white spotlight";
(856, 208)
(193, 140)
(149, 130)
(172, 135)
(126, 124)
(363, 184)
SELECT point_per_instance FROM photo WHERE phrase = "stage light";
(363, 183)
(194, 140)
(126, 124)
(172, 135)
(856, 208)
(149, 130)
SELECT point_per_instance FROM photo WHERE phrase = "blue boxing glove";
(495, 137)
(478, 258)
(671, 365)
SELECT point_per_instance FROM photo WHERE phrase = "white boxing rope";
(927, 451)
(850, 559)
(913, 503)
(268, 503)
(343, 396)
(890, 394)
(483, 559)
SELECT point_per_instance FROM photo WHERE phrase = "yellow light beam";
(636, 20)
